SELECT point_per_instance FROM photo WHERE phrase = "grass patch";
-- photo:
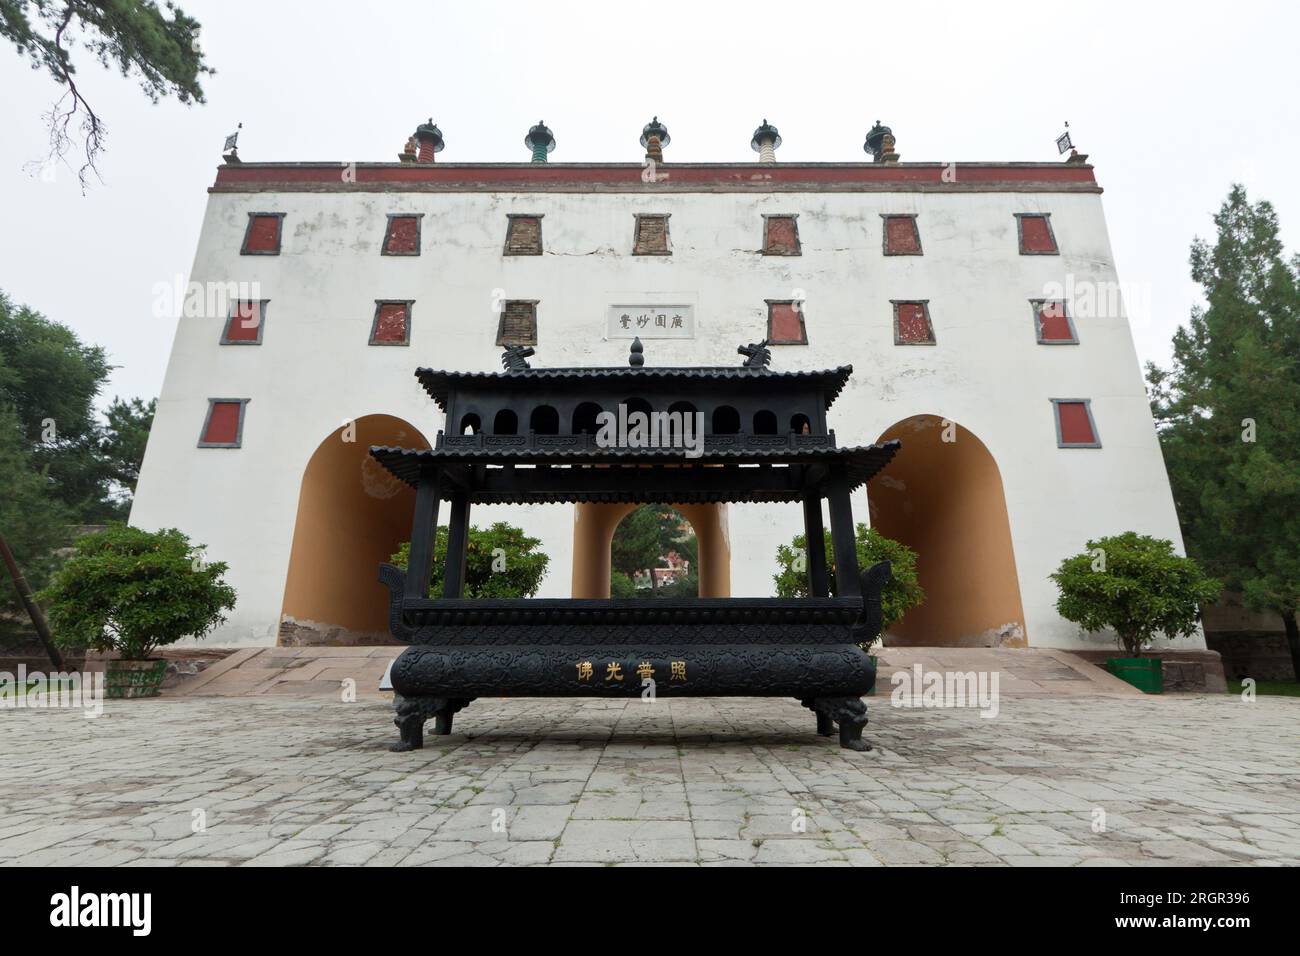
(1269, 688)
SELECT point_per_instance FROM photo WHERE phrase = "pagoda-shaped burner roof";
(440, 384)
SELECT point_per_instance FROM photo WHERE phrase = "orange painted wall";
(945, 501)
(593, 532)
(352, 516)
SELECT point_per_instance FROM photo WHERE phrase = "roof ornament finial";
(766, 140)
(230, 152)
(515, 357)
(757, 354)
(540, 141)
(636, 356)
(1064, 142)
(880, 144)
(654, 137)
(429, 140)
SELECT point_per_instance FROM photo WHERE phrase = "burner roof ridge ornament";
(516, 356)
(757, 355)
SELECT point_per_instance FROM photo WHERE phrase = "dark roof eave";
(437, 382)
(863, 462)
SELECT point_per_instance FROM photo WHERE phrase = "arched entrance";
(942, 497)
(593, 532)
(352, 516)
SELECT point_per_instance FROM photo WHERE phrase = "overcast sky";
(1173, 103)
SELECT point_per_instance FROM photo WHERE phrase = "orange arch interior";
(942, 496)
(352, 516)
(593, 533)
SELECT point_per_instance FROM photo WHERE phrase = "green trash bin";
(1144, 673)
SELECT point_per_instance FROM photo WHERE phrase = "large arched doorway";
(942, 497)
(593, 533)
(352, 516)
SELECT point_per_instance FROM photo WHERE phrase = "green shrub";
(902, 593)
(621, 586)
(1136, 586)
(501, 562)
(132, 591)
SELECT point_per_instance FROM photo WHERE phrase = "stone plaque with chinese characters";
(650, 322)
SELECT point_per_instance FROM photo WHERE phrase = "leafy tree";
(133, 591)
(47, 375)
(902, 593)
(638, 544)
(644, 539)
(32, 521)
(133, 36)
(501, 562)
(621, 586)
(50, 379)
(1228, 413)
(685, 586)
(1136, 586)
(124, 438)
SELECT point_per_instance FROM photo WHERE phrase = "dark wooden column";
(843, 541)
(818, 582)
(424, 530)
(453, 583)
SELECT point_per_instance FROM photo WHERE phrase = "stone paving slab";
(308, 780)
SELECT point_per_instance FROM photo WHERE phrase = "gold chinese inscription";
(614, 671)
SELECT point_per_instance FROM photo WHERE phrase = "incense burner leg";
(445, 711)
(825, 726)
(850, 713)
(411, 713)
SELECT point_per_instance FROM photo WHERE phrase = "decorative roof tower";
(766, 140)
(541, 141)
(654, 137)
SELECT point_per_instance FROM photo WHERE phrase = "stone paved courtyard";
(1181, 779)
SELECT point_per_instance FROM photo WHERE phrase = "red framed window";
(901, 236)
(1035, 234)
(245, 323)
(785, 323)
(392, 324)
(518, 322)
(1075, 427)
(402, 237)
(912, 324)
(1053, 323)
(781, 236)
(523, 235)
(262, 236)
(651, 237)
(223, 427)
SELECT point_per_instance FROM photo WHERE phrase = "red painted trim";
(716, 175)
